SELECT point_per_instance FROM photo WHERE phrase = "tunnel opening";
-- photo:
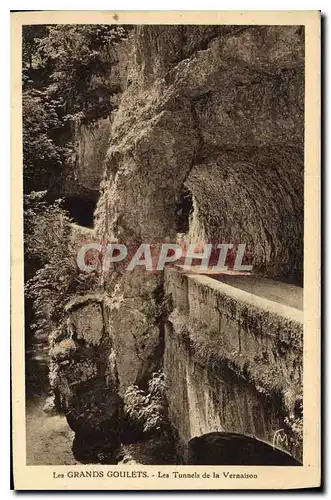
(225, 448)
(81, 210)
(183, 211)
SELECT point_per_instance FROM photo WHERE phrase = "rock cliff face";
(212, 111)
(218, 111)
(79, 183)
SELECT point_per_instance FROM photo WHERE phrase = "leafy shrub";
(48, 240)
(148, 408)
(43, 156)
(46, 228)
(294, 423)
(63, 349)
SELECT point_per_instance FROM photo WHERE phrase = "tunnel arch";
(229, 448)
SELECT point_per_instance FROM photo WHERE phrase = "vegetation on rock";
(58, 277)
(255, 368)
(148, 408)
(66, 78)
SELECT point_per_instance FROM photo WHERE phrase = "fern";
(148, 408)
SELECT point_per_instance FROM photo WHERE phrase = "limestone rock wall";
(82, 174)
(86, 167)
(83, 375)
(219, 110)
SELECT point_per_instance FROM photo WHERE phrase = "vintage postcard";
(165, 272)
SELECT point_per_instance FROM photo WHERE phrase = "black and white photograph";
(164, 204)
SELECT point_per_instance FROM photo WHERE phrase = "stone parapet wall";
(235, 360)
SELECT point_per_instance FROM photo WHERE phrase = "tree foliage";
(66, 77)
